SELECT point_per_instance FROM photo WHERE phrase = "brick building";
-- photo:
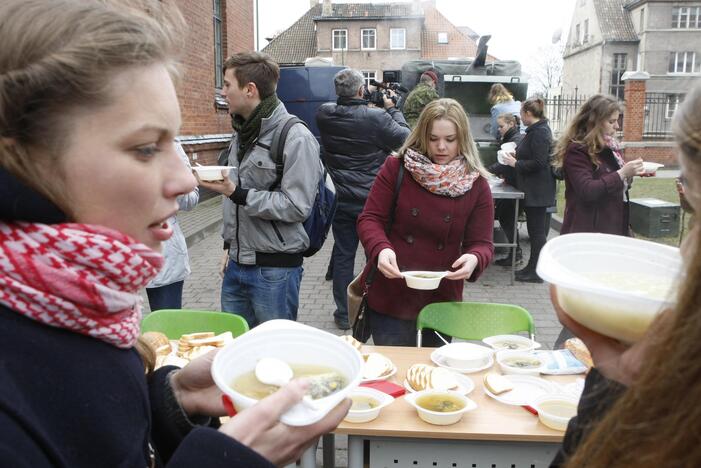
(217, 29)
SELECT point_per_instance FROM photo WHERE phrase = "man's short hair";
(254, 67)
(347, 82)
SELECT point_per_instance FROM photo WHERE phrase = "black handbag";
(361, 324)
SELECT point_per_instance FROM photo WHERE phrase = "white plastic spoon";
(273, 371)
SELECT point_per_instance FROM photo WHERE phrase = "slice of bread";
(497, 384)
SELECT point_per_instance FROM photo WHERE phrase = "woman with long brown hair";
(89, 177)
(640, 405)
(596, 176)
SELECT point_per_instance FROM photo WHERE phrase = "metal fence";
(561, 109)
(659, 109)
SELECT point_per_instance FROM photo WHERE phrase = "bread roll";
(580, 351)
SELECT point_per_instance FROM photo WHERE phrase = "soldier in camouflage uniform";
(421, 95)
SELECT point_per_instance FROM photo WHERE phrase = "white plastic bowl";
(415, 281)
(294, 343)
(504, 357)
(501, 157)
(651, 167)
(436, 417)
(581, 265)
(211, 173)
(465, 355)
(508, 147)
(362, 416)
(556, 410)
(511, 342)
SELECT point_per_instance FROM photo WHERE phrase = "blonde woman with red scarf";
(89, 176)
(442, 221)
(597, 178)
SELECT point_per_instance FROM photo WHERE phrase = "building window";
(673, 101)
(442, 37)
(620, 62)
(586, 31)
(218, 45)
(683, 62)
(368, 39)
(397, 38)
(369, 75)
(686, 17)
(576, 35)
(642, 19)
(340, 39)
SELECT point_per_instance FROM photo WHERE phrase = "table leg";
(355, 451)
(515, 242)
(328, 443)
(308, 459)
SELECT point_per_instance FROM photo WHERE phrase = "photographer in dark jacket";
(356, 139)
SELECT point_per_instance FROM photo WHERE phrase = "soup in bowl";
(440, 407)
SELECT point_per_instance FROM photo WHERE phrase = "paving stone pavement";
(202, 288)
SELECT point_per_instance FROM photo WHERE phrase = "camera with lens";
(390, 81)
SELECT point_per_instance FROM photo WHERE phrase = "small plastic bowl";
(436, 417)
(651, 167)
(508, 147)
(511, 342)
(501, 157)
(556, 410)
(367, 415)
(507, 362)
(588, 270)
(211, 173)
(465, 355)
(423, 279)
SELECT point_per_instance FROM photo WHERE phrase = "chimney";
(327, 9)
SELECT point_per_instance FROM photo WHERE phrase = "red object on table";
(531, 409)
(389, 388)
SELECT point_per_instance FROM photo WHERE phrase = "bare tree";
(546, 69)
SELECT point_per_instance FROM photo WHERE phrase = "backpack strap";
(277, 147)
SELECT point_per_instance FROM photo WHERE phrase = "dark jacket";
(533, 174)
(69, 400)
(508, 173)
(430, 232)
(598, 397)
(356, 139)
(593, 196)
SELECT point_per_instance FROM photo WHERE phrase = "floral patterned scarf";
(451, 180)
(612, 143)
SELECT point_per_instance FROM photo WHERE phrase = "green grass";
(649, 187)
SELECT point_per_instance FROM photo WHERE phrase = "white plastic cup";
(508, 147)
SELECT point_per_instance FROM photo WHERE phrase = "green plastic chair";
(176, 322)
(474, 320)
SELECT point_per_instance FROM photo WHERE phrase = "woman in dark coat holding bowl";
(442, 221)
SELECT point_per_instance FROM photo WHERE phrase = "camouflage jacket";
(415, 102)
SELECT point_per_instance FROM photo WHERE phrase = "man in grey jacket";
(263, 233)
(356, 139)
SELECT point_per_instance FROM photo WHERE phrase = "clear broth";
(362, 403)
(521, 363)
(441, 403)
(324, 382)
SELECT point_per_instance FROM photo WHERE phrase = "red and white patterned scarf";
(453, 179)
(83, 278)
(612, 143)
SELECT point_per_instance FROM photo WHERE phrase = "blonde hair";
(59, 56)
(586, 128)
(657, 420)
(451, 110)
(498, 93)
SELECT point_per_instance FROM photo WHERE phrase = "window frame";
(585, 37)
(362, 38)
(218, 31)
(619, 65)
(682, 17)
(672, 98)
(367, 77)
(674, 61)
(391, 37)
(333, 39)
(442, 35)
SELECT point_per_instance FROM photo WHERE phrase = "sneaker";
(341, 324)
(527, 276)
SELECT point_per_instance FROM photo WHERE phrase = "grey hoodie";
(263, 227)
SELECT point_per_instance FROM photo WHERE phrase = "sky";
(518, 27)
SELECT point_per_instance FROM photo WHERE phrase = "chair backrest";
(176, 322)
(475, 320)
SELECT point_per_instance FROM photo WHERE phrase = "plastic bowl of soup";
(211, 173)
(423, 279)
(440, 407)
(335, 366)
(614, 285)
(556, 410)
(651, 167)
(519, 362)
(367, 404)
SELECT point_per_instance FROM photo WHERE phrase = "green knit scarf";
(249, 129)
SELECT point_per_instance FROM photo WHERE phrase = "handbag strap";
(390, 222)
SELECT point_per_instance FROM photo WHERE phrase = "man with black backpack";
(270, 194)
(356, 140)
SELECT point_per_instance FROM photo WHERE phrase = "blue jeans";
(345, 238)
(261, 293)
(169, 296)
(391, 331)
